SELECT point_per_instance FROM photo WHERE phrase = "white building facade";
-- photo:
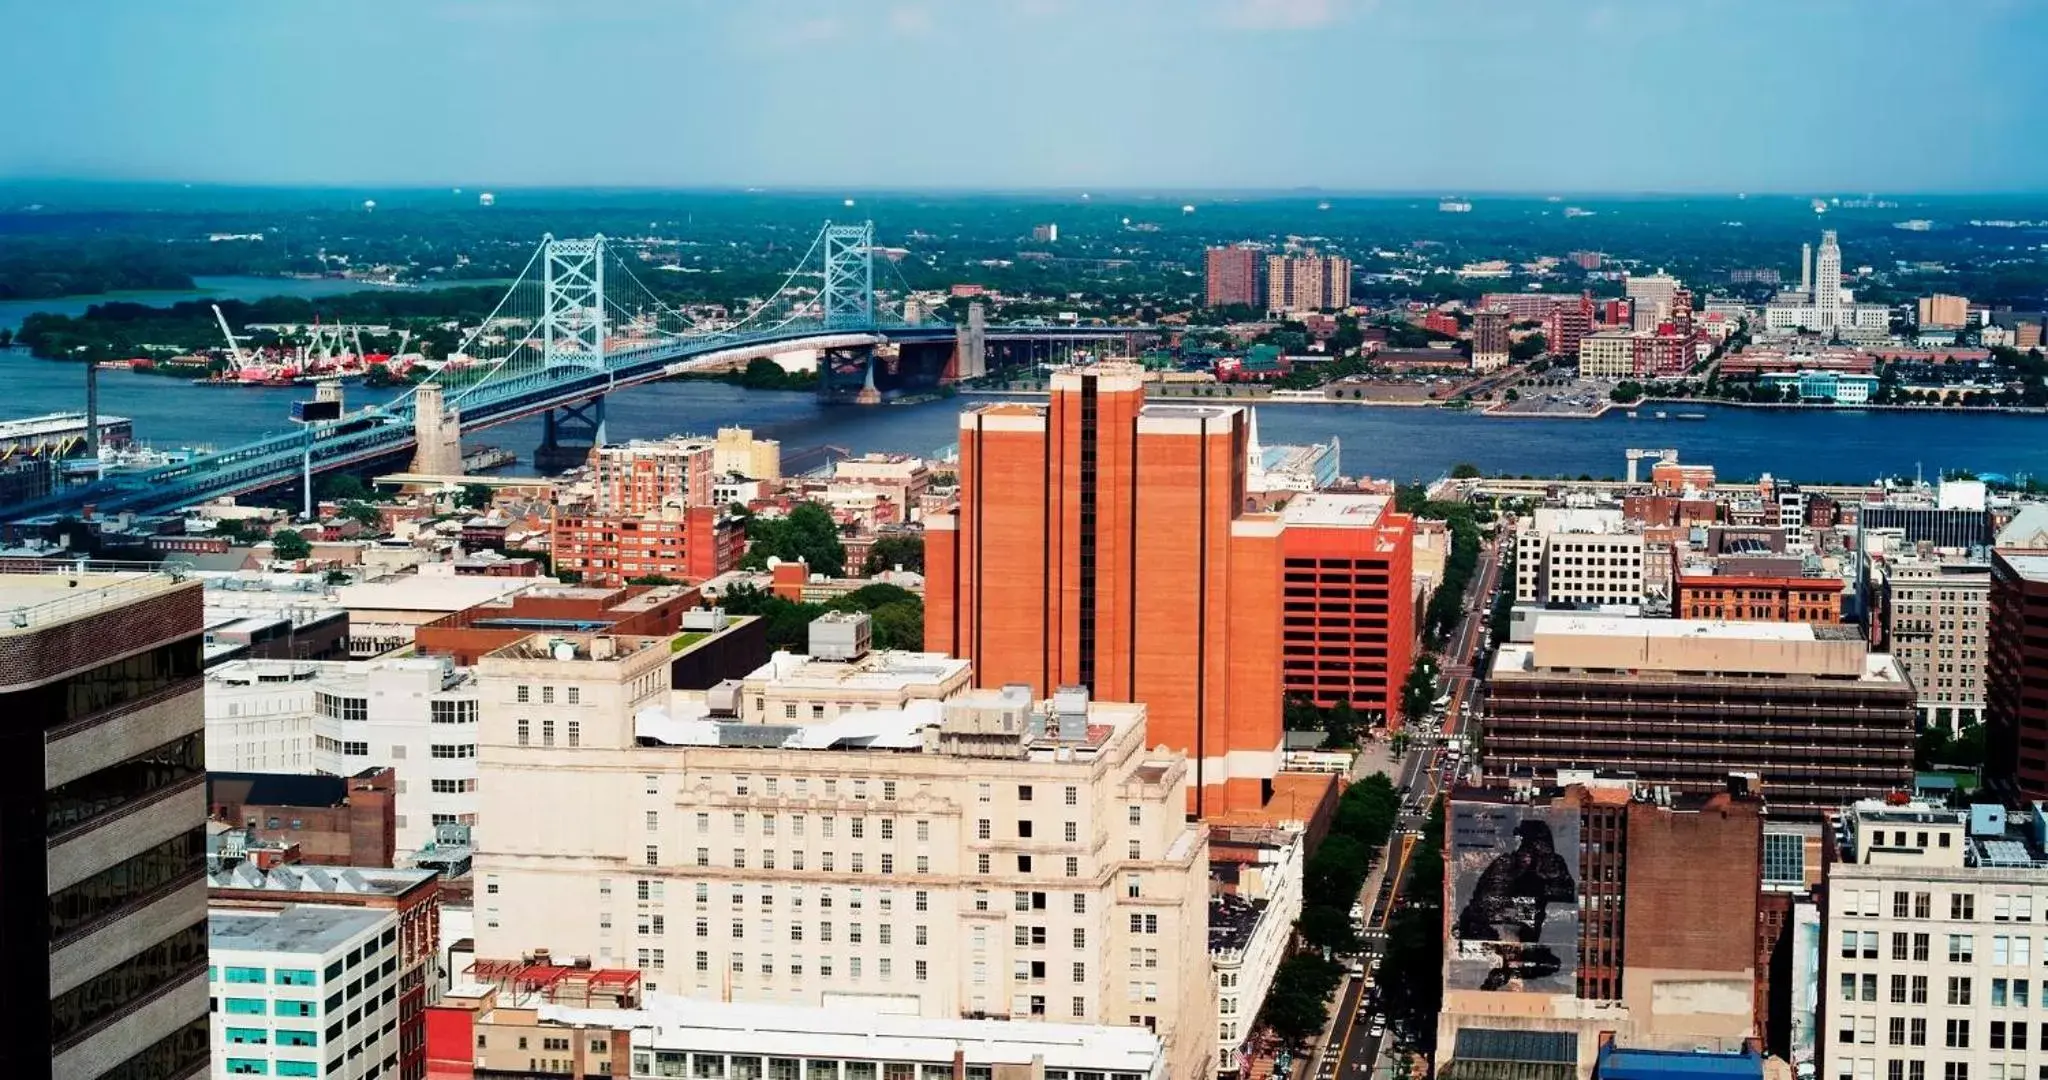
(418, 716)
(305, 990)
(1938, 617)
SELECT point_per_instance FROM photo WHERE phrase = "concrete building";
(1595, 910)
(1810, 710)
(1103, 542)
(1928, 955)
(1937, 623)
(102, 826)
(1040, 850)
(416, 717)
(413, 897)
(2016, 666)
(383, 614)
(829, 683)
(737, 452)
(1309, 282)
(1651, 299)
(306, 990)
(648, 610)
(259, 715)
(1569, 556)
(900, 478)
(487, 1031)
(1251, 926)
(1943, 312)
(1609, 354)
(1490, 342)
(1347, 600)
(1233, 275)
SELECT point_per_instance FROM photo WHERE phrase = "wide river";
(215, 289)
(1399, 443)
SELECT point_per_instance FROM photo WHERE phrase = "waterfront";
(1403, 444)
(216, 289)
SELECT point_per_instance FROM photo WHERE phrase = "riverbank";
(1818, 406)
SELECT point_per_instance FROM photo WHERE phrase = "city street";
(1422, 774)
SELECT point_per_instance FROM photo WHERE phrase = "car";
(1358, 913)
(1379, 1029)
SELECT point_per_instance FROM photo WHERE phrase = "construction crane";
(1664, 457)
(234, 346)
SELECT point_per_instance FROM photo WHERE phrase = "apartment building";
(1568, 556)
(1233, 275)
(1038, 849)
(1937, 623)
(102, 826)
(305, 990)
(1597, 909)
(638, 477)
(1810, 710)
(737, 452)
(1308, 282)
(1930, 961)
(1490, 341)
(676, 540)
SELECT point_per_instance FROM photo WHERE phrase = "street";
(1423, 772)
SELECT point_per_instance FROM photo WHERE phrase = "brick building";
(1490, 344)
(1233, 275)
(1348, 622)
(465, 635)
(334, 820)
(641, 477)
(2016, 667)
(1767, 599)
(681, 542)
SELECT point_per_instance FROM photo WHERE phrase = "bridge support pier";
(970, 344)
(437, 428)
(568, 434)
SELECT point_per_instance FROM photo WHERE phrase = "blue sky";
(1356, 95)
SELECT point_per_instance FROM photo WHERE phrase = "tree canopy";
(286, 544)
(897, 549)
(807, 532)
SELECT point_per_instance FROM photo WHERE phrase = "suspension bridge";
(576, 326)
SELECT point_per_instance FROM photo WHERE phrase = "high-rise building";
(285, 977)
(1810, 710)
(1827, 283)
(991, 855)
(640, 476)
(1234, 276)
(103, 826)
(1348, 628)
(1943, 312)
(1567, 323)
(1578, 557)
(1928, 962)
(1308, 282)
(1598, 909)
(1490, 344)
(1937, 622)
(2016, 666)
(1650, 298)
(1103, 542)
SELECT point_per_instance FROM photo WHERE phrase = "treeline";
(119, 329)
(896, 615)
(1447, 604)
(1411, 973)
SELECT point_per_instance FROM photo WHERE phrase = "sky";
(1433, 96)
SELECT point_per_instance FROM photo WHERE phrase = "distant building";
(1490, 344)
(1943, 311)
(1566, 324)
(1587, 260)
(676, 541)
(737, 451)
(1609, 354)
(1624, 695)
(642, 476)
(1234, 275)
(1650, 298)
(1834, 387)
(1761, 598)
(1308, 282)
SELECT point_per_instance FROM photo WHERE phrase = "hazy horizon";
(1379, 98)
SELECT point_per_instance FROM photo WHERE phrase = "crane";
(234, 347)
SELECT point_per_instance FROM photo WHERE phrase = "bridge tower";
(970, 344)
(849, 294)
(573, 331)
(437, 428)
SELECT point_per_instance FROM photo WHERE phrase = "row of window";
(104, 791)
(524, 695)
(1962, 948)
(1913, 1031)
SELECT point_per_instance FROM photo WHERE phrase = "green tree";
(288, 545)
(474, 497)
(342, 487)
(653, 579)
(1327, 927)
(899, 625)
(1298, 1003)
(807, 532)
(1529, 348)
(1341, 725)
(363, 514)
(1418, 690)
(1464, 470)
(896, 549)
(336, 577)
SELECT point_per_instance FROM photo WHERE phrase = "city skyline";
(1016, 98)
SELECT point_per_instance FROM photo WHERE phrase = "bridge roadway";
(378, 433)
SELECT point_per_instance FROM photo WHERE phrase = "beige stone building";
(1937, 618)
(795, 688)
(990, 856)
(738, 451)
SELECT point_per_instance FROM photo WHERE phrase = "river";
(1399, 443)
(12, 312)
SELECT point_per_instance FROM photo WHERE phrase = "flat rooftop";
(337, 880)
(883, 670)
(1621, 626)
(848, 1031)
(306, 929)
(1568, 642)
(1322, 508)
(2033, 567)
(32, 601)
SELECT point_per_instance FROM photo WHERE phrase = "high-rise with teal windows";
(305, 990)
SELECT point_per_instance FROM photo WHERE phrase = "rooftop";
(882, 670)
(2033, 567)
(1320, 508)
(32, 601)
(1231, 921)
(339, 880)
(902, 729)
(849, 1032)
(305, 929)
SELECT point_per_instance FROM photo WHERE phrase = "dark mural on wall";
(1515, 898)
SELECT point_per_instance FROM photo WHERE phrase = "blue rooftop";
(1617, 1063)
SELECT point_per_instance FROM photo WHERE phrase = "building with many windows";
(989, 856)
(1931, 964)
(1347, 600)
(102, 826)
(417, 717)
(1937, 618)
(1233, 275)
(1308, 282)
(306, 990)
(1570, 556)
(2016, 666)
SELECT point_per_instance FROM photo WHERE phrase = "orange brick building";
(1104, 542)
(1348, 604)
(681, 542)
(641, 477)
(1765, 599)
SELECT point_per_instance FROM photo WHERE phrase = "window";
(1023, 792)
(525, 694)
(1957, 1034)
(1962, 906)
(1135, 814)
(525, 732)
(1961, 948)
(547, 695)
(1919, 990)
(1958, 990)
(575, 731)
(1920, 947)
(447, 751)
(653, 855)
(1898, 988)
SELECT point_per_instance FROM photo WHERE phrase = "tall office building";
(1650, 298)
(2016, 667)
(1308, 282)
(103, 827)
(1827, 283)
(1490, 343)
(1937, 618)
(990, 855)
(1233, 275)
(1103, 542)
(1941, 311)
(1348, 613)
(1682, 703)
